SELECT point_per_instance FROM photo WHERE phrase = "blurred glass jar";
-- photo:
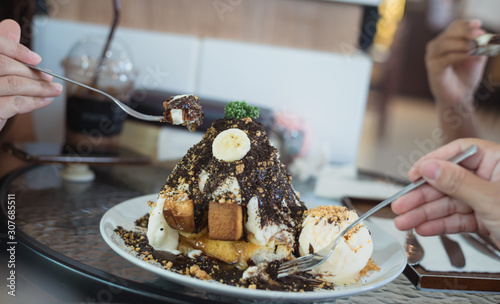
(93, 122)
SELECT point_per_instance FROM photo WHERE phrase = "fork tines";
(311, 280)
(291, 266)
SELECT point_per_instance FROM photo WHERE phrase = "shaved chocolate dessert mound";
(259, 174)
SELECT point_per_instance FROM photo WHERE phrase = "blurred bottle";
(93, 122)
(291, 135)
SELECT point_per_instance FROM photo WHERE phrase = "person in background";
(22, 90)
(457, 198)
(454, 75)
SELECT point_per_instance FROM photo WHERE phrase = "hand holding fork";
(315, 259)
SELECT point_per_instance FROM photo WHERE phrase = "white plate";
(388, 254)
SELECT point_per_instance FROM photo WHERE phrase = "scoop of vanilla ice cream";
(160, 235)
(320, 227)
(265, 233)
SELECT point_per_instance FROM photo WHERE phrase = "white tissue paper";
(336, 182)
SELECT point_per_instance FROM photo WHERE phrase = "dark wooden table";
(61, 257)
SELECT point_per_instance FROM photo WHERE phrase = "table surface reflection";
(60, 220)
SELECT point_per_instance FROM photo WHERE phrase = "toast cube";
(225, 221)
(168, 214)
(221, 250)
(179, 214)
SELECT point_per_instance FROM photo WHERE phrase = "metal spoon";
(123, 106)
(414, 251)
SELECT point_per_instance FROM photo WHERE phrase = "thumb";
(10, 34)
(10, 29)
(457, 182)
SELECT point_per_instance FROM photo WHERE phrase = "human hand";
(457, 198)
(453, 73)
(21, 89)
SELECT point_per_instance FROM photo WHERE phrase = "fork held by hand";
(313, 260)
(123, 106)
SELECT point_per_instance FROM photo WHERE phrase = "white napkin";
(336, 182)
(435, 257)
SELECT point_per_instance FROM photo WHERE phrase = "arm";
(454, 76)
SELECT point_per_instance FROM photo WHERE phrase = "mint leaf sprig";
(240, 109)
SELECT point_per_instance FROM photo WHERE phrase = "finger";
(446, 60)
(455, 223)
(10, 29)
(440, 208)
(9, 66)
(465, 29)
(13, 105)
(449, 150)
(18, 51)
(459, 37)
(460, 183)
(21, 86)
(450, 45)
(443, 207)
(415, 198)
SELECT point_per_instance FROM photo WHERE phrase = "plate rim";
(240, 292)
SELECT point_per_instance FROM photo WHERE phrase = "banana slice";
(231, 145)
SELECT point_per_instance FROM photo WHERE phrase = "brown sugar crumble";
(335, 214)
(200, 274)
(370, 267)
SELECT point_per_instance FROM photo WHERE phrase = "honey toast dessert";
(228, 212)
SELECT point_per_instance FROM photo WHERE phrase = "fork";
(123, 106)
(487, 44)
(315, 259)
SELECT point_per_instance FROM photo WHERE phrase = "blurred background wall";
(316, 25)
